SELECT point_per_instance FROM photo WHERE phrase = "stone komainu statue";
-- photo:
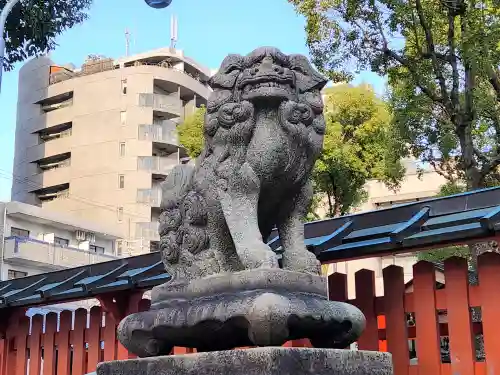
(263, 131)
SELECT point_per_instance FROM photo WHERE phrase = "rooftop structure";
(96, 141)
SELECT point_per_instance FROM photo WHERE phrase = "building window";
(96, 249)
(121, 181)
(19, 232)
(61, 242)
(13, 274)
(119, 248)
(123, 117)
(122, 148)
(124, 86)
(119, 214)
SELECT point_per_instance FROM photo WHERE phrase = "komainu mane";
(263, 131)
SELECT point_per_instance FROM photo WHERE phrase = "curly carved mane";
(255, 98)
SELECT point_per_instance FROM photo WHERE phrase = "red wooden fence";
(77, 343)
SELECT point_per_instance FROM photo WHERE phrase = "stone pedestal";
(261, 307)
(261, 361)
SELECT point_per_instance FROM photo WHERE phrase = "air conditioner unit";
(81, 235)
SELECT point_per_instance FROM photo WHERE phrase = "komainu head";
(266, 74)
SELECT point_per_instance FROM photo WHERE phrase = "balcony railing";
(160, 102)
(162, 131)
(157, 164)
(151, 197)
(147, 231)
(29, 250)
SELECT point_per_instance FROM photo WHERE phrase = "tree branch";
(432, 50)
(453, 61)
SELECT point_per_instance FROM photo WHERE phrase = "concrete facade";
(34, 240)
(97, 141)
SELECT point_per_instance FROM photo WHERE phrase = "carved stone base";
(261, 361)
(264, 307)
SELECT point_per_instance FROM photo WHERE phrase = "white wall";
(46, 233)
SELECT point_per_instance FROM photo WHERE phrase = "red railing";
(73, 343)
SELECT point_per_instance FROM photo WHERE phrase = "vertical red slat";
(63, 348)
(428, 347)
(93, 338)
(489, 285)
(79, 352)
(34, 341)
(21, 349)
(9, 364)
(395, 318)
(109, 338)
(365, 301)
(460, 331)
(49, 363)
(337, 287)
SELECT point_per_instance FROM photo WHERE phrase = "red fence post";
(35, 344)
(365, 301)
(428, 346)
(93, 338)
(395, 318)
(460, 331)
(49, 347)
(21, 346)
(489, 286)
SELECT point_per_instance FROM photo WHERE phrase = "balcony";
(147, 231)
(56, 102)
(162, 131)
(150, 197)
(55, 132)
(157, 164)
(29, 251)
(166, 104)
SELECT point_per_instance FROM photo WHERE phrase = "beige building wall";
(96, 142)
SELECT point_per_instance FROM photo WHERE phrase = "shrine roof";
(405, 228)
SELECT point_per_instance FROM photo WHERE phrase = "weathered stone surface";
(262, 361)
(261, 307)
(263, 132)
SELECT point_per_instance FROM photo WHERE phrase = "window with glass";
(123, 117)
(96, 249)
(121, 181)
(124, 86)
(122, 149)
(61, 242)
(18, 232)
(13, 274)
(119, 214)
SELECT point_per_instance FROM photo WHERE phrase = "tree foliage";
(32, 26)
(359, 145)
(441, 59)
(191, 132)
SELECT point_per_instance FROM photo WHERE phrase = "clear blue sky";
(207, 31)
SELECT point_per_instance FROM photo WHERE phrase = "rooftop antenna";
(173, 31)
(127, 42)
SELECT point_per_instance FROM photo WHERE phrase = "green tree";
(359, 145)
(32, 26)
(191, 132)
(441, 59)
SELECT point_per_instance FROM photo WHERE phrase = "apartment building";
(97, 141)
(35, 240)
